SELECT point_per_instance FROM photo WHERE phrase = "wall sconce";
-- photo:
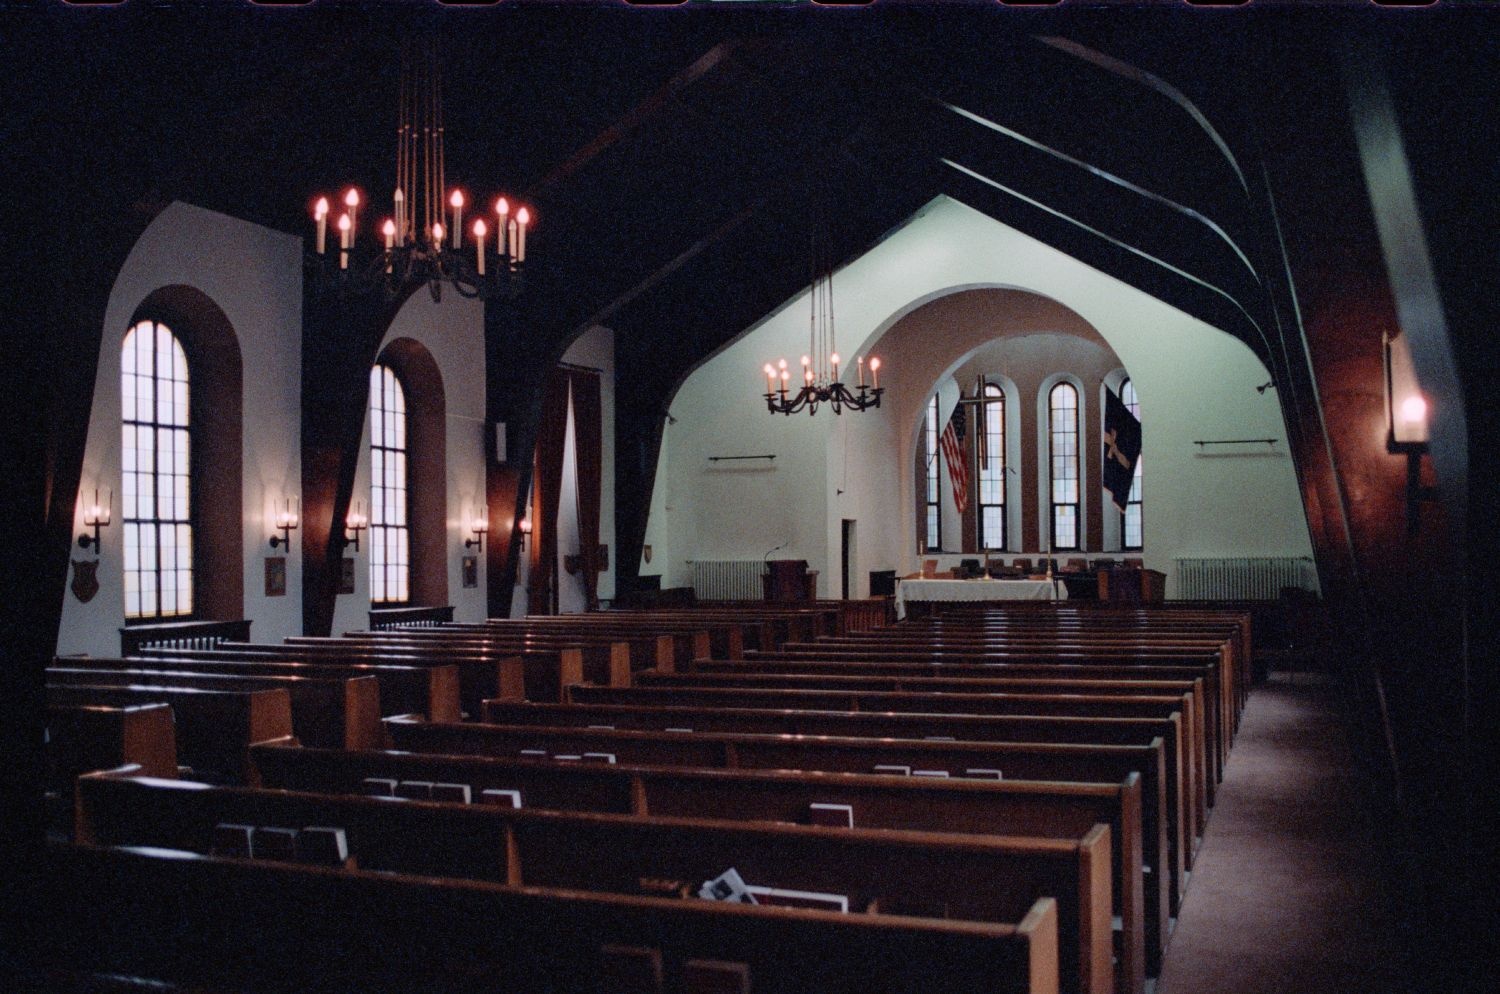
(287, 521)
(479, 526)
(1406, 411)
(355, 521)
(96, 516)
(525, 527)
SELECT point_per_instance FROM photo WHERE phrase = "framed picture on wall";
(275, 576)
(346, 575)
(471, 572)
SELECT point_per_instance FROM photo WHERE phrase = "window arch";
(932, 509)
(1062, 445)
(390, 484)
(1131, 519)
(408, 422)
(156, 474)
(991, 475)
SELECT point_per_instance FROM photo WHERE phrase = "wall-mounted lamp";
(525, 527)
(1406, 423)
(287, 520)
(96, 516)
(355, 521)
(479, 526)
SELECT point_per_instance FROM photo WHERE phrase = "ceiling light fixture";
(422, 241)
(820, 382)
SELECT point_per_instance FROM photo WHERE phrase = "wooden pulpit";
(790, 580)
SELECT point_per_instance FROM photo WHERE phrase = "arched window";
(1130, 518)
(992, 470)
(156, 474)
(934, 518)
(390, 530)
(1062, 435)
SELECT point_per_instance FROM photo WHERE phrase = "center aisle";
(1287, 896)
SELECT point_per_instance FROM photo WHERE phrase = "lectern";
(790, 580)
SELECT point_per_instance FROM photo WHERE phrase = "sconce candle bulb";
(287, 520)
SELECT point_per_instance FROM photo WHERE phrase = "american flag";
(958, 466)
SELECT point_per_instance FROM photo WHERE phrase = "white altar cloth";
(976, 590)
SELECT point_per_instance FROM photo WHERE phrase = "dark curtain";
(589, 437)
(546, 491)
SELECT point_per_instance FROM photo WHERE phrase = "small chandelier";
(820, 382)
(422, 241)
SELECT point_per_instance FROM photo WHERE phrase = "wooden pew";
(122, 910)
(1202, 703)
(974, 877)
(1140, 647)
(605, 661)
(1185, 740)
(425, 690)
(84, 738)
(879, 660)
(894, 725)
(339, 713)
(653, 645)
(522, 674)
(1026, 760)
(1014, 807)
(213, 727)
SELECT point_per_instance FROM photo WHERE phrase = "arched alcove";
(426, 413)
(216, 415)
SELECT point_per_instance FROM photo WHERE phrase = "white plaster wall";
(453, 331)
(1199, 382)
(254, 275)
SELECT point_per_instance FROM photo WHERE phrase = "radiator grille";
(728, 579)
(1241, 578)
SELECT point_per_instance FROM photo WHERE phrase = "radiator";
(1241, 578)
(728, 579)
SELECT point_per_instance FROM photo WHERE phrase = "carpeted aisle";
(1287, 896)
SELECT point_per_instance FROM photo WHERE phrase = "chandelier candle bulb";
(859, 361)
(344, 239)
(320, 213)
(400, 215)
(479, 233)
(502, 211)
(523, 218)
(875, 372)
(510, 236)
(834, 362)
(351, 201)
(770, 378)
(437, 236)
(457, 200)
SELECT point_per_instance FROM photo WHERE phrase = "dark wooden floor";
(1289, 894)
